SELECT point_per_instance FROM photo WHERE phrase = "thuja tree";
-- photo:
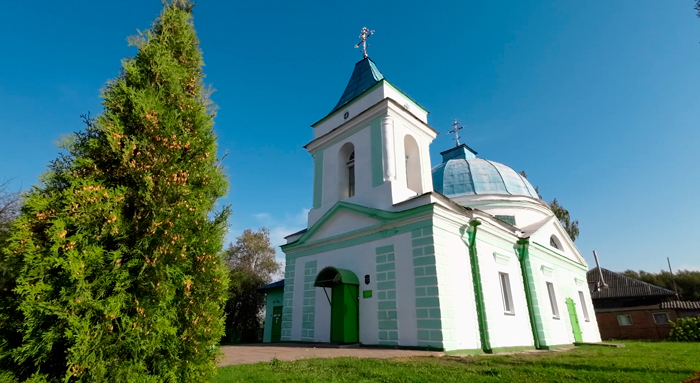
(121, 277)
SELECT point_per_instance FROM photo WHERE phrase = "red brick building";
(627, 308)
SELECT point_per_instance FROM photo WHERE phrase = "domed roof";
(461, 173)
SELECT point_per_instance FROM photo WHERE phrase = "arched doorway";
(344, 303)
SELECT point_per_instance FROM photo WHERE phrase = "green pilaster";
(478, 288)
(386, 296)
(309, 304)
(318, 179)
(376, 152)
(428, 313)
(533, 308)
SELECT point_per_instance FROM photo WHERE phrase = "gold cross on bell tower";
(363, 42)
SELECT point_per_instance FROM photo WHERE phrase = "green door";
(276, 324)
(576, 328)
(344, 314)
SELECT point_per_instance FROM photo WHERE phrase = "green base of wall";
(557, 346)
(398, 347)
(601, 344)
(476, 351)
(497, 350)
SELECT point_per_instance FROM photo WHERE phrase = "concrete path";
(254, 353)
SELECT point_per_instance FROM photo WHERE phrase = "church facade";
(462, 257)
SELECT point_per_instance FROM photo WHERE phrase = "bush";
(685, 330)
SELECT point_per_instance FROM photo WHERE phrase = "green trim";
(385, 218)
(560, 257)
(368, 90)
(369, 237)
(600, 344)
(347, 105)
(318, 179)
(407, 96)
(478, 288)
(529, 282)
(348, 133)
(475, 351)
(498, 350)
(399, 347)
(376, 152)
(558, 346)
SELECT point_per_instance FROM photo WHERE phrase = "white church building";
(462, 257)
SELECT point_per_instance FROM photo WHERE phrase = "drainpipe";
(524, 257)
(478, 288)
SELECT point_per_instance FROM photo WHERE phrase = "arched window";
(413, 170)
(554, 242)
(346, 171)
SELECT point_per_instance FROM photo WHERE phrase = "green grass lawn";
(637, 362)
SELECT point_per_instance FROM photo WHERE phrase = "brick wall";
(643, 326)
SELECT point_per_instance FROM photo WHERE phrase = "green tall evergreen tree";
(120, 276)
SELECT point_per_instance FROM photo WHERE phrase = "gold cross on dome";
(363, 36)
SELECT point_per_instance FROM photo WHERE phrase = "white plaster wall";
(505, 330)
(567, 249)
(363, 166)
(364, 102)
(525, 210)
(360, 259)
(457, 300)
(358, 106)
(402, 100)
(563, 276)
(343, 222)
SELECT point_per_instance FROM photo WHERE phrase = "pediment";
(566, 246)
(343, 221)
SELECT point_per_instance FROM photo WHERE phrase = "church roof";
(622, 286)
(461, 173)
(363, 77)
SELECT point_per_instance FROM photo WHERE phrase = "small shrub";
(685, 330)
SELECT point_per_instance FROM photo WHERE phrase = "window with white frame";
(506, 294)
(582, 298)
(553, 300)
(661, 318)
(624, 320)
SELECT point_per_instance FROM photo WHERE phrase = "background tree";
(687, 281)
(562, 214)
(10, 319)
(252, 264)
(571, 226)
(120, 247)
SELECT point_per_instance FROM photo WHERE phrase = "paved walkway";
(247, 354)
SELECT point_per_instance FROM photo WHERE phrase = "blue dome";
(461, 173)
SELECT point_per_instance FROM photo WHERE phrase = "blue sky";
(598, 101)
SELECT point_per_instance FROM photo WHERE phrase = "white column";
(388, 149)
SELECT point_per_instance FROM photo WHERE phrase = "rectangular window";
(661, 318)
(553, 300)
(506, 294)
(583, 306)
(624, 320)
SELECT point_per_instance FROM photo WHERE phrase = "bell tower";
(372, 149)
